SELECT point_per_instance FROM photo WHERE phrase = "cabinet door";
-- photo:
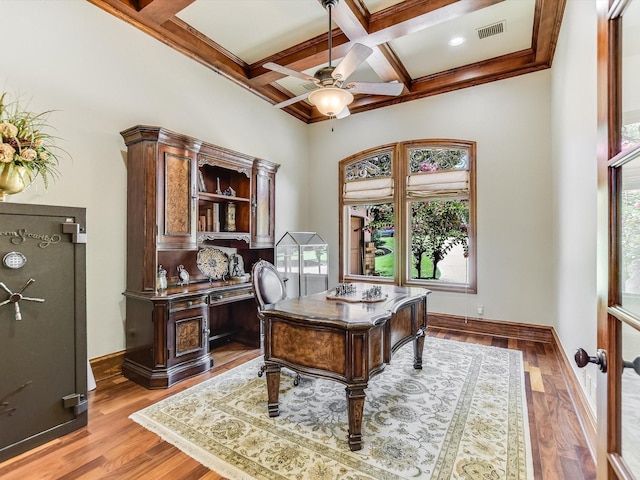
(263, 209)
(176, 198)
(189, 338)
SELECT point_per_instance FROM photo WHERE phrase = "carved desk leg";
(355, 401)
(418, 347)
(419, 310)
(273, 388)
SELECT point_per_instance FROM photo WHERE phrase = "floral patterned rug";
(463, 416)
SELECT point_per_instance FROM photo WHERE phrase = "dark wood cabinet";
(184, 194)
(161, 203)
(167, 338)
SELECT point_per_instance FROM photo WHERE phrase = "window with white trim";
(408, 215)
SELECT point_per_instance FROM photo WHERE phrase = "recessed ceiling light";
(456, 41)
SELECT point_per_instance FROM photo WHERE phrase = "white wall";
(509, 120)
(574, 121)
(103, 76)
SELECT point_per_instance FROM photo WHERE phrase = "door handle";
(635, 365)
(600, 359)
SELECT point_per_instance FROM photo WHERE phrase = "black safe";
(43, 345)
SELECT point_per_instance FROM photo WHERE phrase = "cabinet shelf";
(222, 336)
(215, 197)
(204, 236)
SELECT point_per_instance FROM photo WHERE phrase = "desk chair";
(268, 288)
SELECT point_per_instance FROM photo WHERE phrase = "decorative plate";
(213, 263)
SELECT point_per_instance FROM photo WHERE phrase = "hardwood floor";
(114, 447)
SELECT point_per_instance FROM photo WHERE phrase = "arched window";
(408, 215)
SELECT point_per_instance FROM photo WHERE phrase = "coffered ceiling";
(409, 38)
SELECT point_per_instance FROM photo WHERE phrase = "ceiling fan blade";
(351, 60)
(344, 113)
(292, 100)
(389, 88)
(288, 71)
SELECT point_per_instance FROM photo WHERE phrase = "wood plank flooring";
(114, 447)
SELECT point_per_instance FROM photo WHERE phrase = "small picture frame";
(201, 185)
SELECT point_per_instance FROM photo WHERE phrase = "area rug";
(463, 416)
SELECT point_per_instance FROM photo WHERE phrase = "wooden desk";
(344, 341)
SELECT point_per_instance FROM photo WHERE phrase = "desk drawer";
(193, 302)
(222, 297)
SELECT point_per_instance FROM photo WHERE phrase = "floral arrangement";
(24, 142)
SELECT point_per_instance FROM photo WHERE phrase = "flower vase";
(13, 179)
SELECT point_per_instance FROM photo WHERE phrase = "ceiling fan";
(331, 93)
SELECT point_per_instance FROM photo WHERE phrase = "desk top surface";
(318, 308)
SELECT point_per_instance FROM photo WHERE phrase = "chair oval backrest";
(268, 286)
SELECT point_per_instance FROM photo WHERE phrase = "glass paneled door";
(623, 317)
(619, 229)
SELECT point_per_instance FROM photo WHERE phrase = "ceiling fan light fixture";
(330, 93)
(330, 101)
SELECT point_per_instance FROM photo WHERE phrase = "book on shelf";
(210, 221)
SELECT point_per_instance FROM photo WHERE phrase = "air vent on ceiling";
(493, 29)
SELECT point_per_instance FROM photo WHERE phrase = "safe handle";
(17, 296)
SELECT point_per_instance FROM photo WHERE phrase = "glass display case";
(302, 259)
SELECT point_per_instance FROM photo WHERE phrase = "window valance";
(370, 190)
(450, 183)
